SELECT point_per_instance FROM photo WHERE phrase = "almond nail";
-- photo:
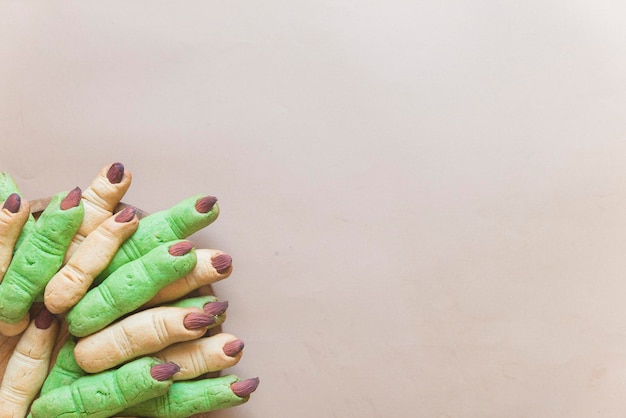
(205, 204)
(232, 348)
(13, 202)
(180, 248)
(126, 215)
(244, 388)
(198, 320)
(216, 308)
(222, 263)
(164, 371)
(44, 319)
(72, 199)
(115, 173)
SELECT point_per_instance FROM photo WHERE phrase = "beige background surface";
(425, 201)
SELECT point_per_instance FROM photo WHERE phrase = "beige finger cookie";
(211, 266)
(100, 199)
(71, 283)
(204, 355)
(13, 216)
(142, 333)
(28, 366)
(11, 330)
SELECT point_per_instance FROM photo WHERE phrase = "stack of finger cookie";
(108, 311)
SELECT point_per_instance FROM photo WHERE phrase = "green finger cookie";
(40, 256)
(130, 286)
(177, 222)
(65, 370)
(104, 394)
(186, 398)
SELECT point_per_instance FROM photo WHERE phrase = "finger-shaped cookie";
(189, 397)
(105, 394)
(8, 187)
(28, 366)
(212, 266)
(177, 222)
(130, 287)
(203, 355)
(13, 216)
(65, 369)
(40, 256)
(100, 199)
(71, 283)
(137, 335)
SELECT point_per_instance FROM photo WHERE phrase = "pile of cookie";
(109, 311)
